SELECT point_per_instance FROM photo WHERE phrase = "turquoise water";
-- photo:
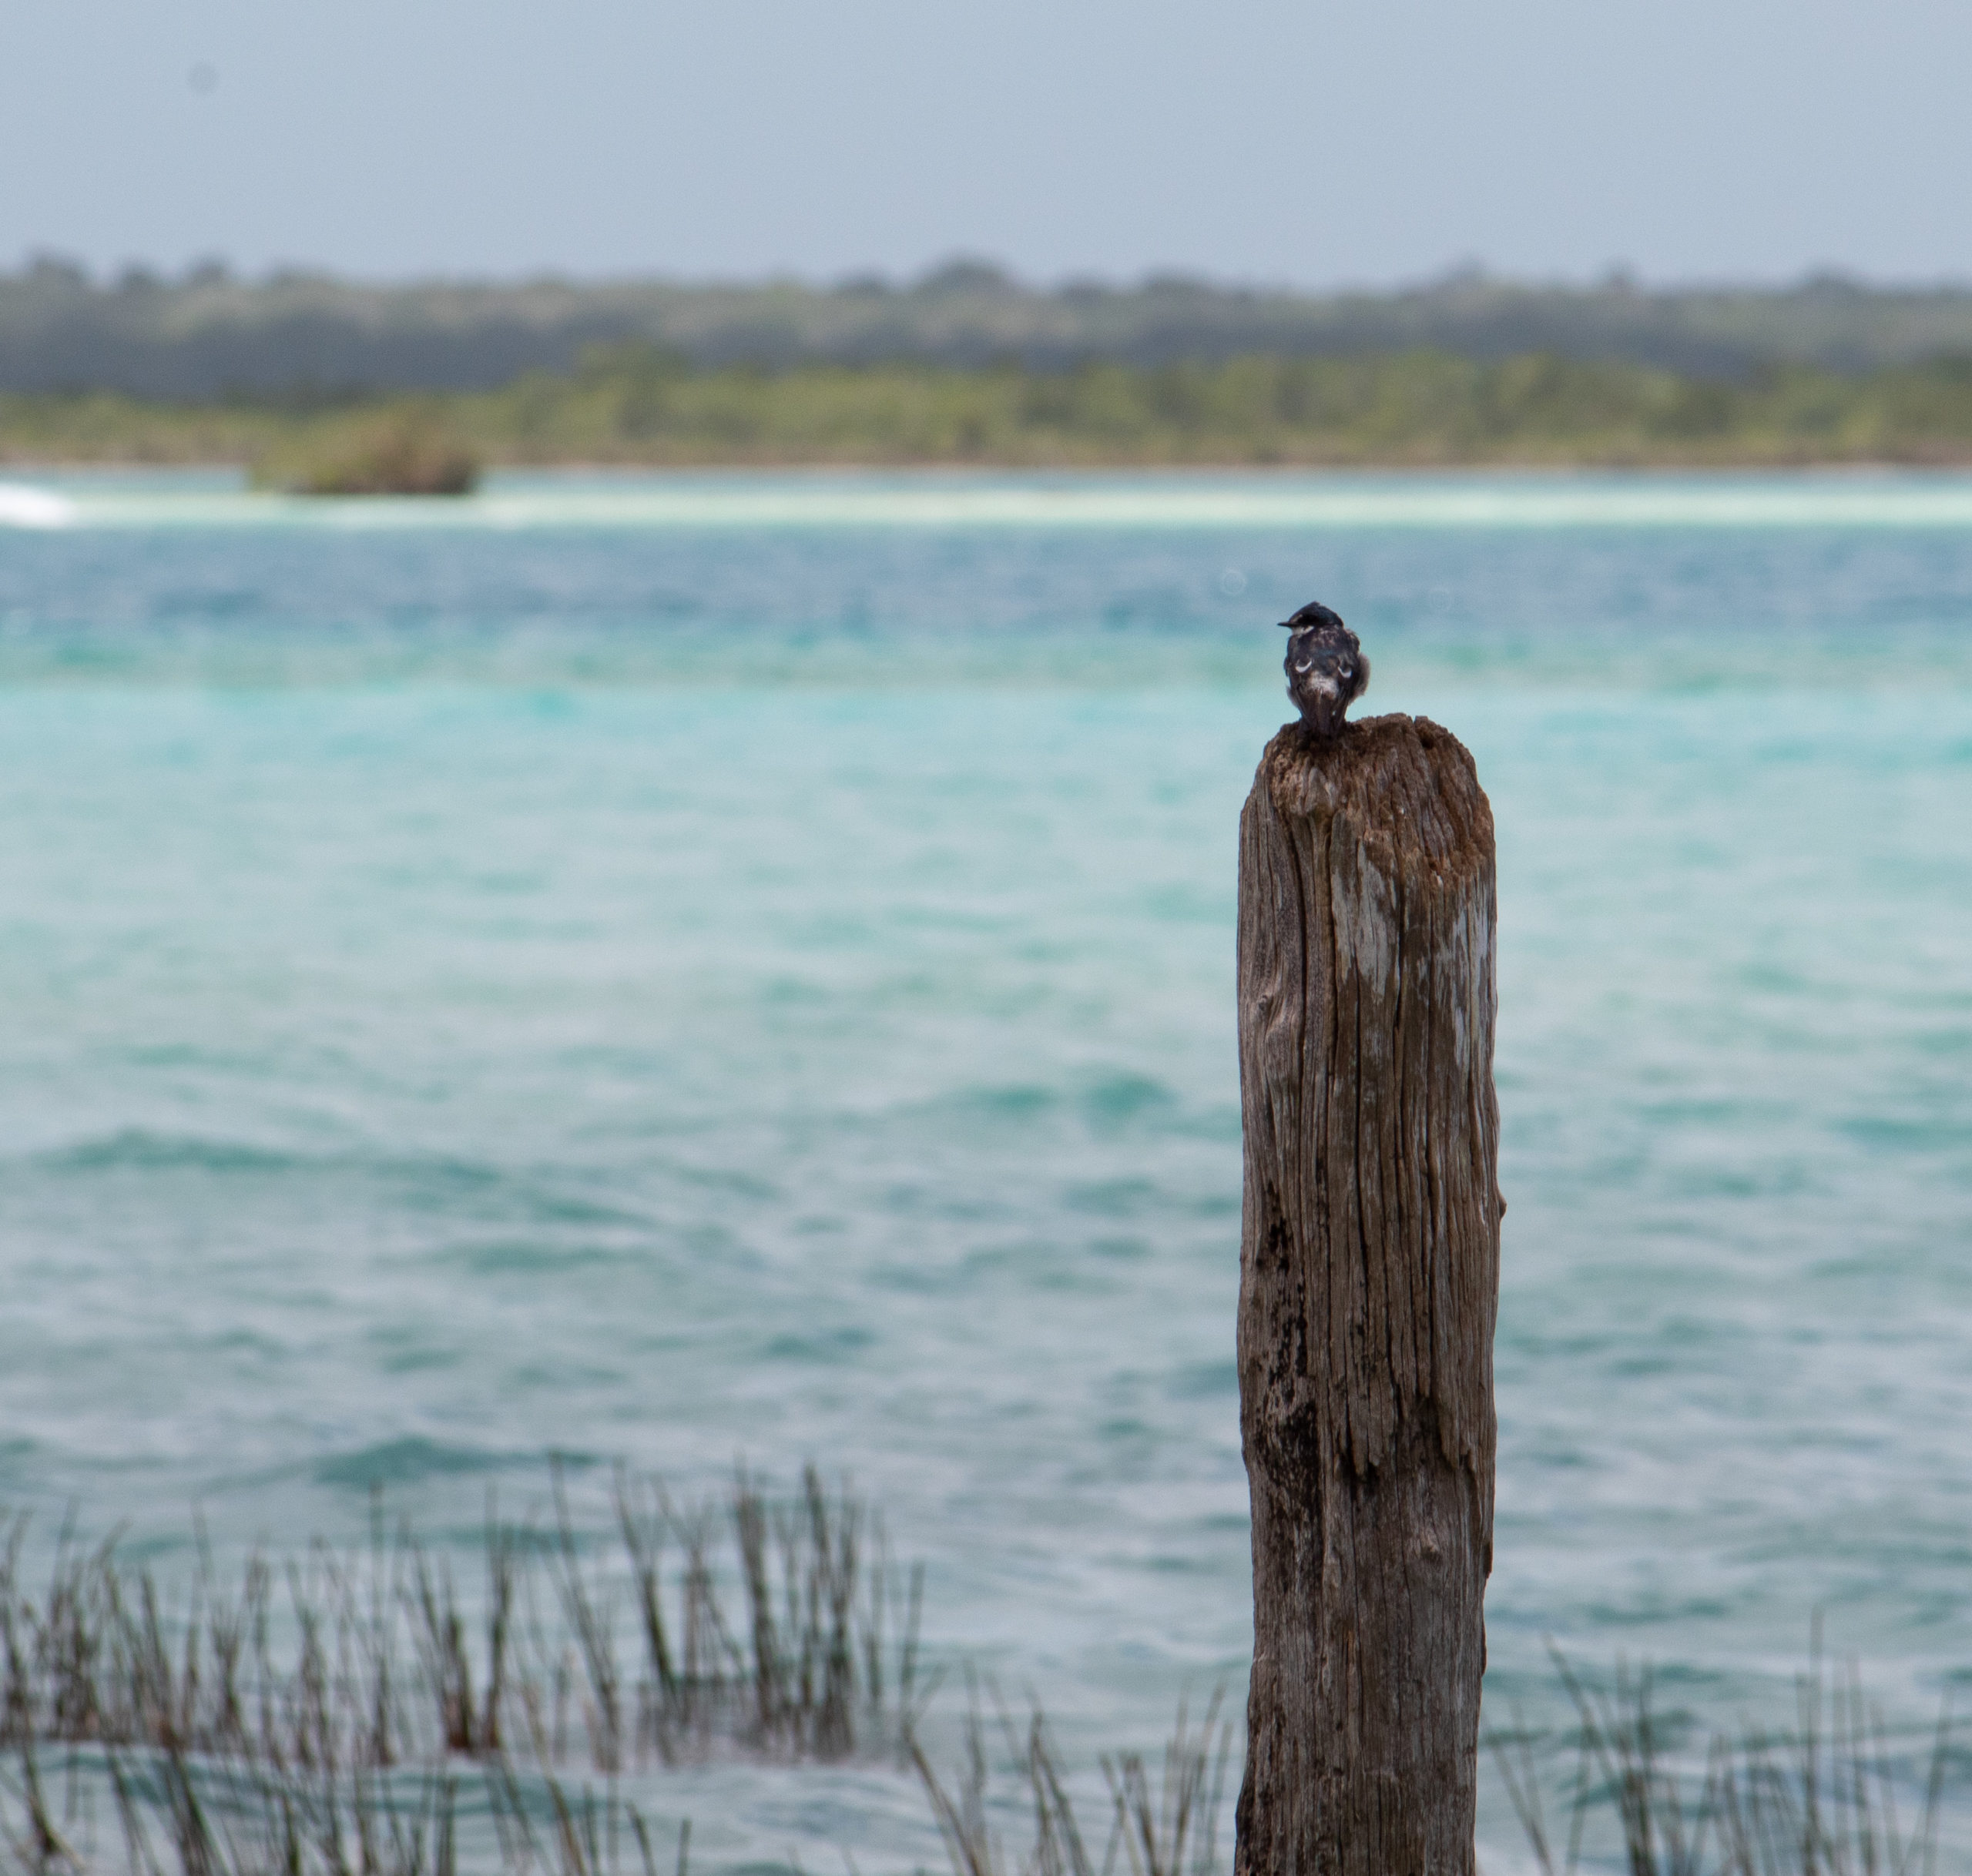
(668, 968)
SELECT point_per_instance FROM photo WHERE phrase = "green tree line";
(636, 404)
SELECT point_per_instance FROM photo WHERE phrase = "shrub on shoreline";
(400, 454)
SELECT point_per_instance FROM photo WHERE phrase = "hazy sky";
(1255, 138)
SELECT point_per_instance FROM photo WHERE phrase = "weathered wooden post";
(1369, 1282)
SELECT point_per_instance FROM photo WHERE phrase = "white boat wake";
(21, 506)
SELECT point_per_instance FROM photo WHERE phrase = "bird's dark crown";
(1313, 614)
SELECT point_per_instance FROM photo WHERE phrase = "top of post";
(1402, 783)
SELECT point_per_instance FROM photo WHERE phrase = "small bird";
(1326, 671)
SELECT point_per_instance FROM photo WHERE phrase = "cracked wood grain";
(1369, 1282)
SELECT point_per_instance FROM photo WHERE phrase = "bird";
(1326, 671)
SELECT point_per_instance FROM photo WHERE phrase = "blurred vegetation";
(409, 450)
(634, 404)
(208, 332)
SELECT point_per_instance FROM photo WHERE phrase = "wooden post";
(1368, 1278)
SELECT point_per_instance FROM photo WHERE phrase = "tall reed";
(1165, 1827)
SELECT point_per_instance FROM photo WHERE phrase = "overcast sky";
(1269, 140)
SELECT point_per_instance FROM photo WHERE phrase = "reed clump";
(1821, 1800)
(178, 1815)
(1165, 1826)
(619, 1655)
(322, 1715)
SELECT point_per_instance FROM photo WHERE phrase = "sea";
(686, 971)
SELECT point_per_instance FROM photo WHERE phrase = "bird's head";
(1326, 671)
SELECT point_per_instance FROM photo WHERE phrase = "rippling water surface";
(666, 969)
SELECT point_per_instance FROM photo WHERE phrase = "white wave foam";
(21, 506)
(1313, 503)
(658, 501)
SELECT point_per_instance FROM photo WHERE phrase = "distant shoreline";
(208, 334)
(14, 468)
(636, 407)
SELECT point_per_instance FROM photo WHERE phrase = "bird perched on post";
(1326, 671)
